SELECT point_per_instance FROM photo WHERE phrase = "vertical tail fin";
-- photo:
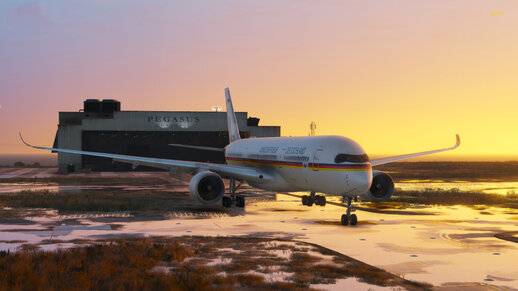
(233, 130)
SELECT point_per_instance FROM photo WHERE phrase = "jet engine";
(382, 188)
(207, 187)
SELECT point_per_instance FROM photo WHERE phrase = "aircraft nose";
(361, 180)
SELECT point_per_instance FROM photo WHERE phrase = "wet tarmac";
(439, 245)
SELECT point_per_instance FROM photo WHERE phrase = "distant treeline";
(29, 165)
(45, 160)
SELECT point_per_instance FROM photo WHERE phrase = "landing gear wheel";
(320, 200)
(345, 219)
(349, 218)
(354, 219)
(226, 202)
(307, 200)
(240, 201)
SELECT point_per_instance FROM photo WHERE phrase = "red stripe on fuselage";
(342, 166)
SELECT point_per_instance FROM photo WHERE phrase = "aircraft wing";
(228, 171)
(197, 147)
(377, 162)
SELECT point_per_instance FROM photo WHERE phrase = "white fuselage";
(304, 163)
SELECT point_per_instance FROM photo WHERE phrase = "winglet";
(21, 137)
(457, 144)
(41, 148)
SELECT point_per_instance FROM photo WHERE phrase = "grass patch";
(120, 265)
(87, 180)
(101, 200)
(300, 259)
(181, 264)
(18, 213)
(250, 280)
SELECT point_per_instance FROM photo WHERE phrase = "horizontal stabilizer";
(198, 147)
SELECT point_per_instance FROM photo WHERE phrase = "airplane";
(331, 165)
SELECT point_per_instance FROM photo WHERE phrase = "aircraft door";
(316, 159)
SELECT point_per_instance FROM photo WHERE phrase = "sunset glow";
(397, 77)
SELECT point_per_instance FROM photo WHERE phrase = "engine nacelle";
(382, 188)
(207, 187)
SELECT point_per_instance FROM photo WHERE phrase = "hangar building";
(102, 127)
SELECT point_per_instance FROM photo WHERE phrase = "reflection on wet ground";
(443, 244)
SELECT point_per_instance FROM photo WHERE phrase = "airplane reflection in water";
(333, 165)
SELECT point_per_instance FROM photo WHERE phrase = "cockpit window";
(341, 158)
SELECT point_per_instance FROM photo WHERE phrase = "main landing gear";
(239, 201)
(348, 217)
(316, 199)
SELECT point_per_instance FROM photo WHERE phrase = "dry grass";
(250, 280)
(87, 180)
(130, 264)
(18, 213)
(298, 258)
(114, 265)
(375, 276)
(102, 200)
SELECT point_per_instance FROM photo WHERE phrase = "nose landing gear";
(348, 217)
(314, 199)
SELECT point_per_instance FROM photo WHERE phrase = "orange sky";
(397, 76)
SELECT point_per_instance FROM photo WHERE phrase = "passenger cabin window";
(341, 158)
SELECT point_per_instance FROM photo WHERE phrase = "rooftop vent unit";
(110, 105)
(252, 121)
(104, 106)
(92, 105)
